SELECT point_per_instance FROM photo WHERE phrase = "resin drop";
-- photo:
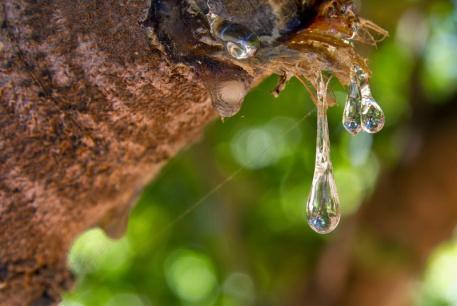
(240, 42)
(323, 203)
(352, 121)
(372, 114)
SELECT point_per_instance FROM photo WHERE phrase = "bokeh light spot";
(94, 251)
(360, 148)
(240, 286)
(350, 189)
(70, 303)
(441, 276)
(259, 147)
(190, 275)
(125, 299)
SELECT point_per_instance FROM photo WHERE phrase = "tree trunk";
(88, 115)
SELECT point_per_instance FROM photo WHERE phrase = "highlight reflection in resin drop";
(240, 42)
(323, 207)
(351, 115)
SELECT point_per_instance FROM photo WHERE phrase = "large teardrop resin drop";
(323, 203)
(323, 206)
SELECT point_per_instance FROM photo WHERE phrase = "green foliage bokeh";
(224, 223)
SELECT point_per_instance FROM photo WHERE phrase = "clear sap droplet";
(240, 42)
(351, 114)
(323, 203)
(372, 115)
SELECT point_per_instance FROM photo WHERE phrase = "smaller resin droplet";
(351, 115)
(323, 206)
(372, 114)
(240, 42)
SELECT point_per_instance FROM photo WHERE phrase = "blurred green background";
(248, 243)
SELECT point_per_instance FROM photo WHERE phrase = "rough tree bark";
(88, 115)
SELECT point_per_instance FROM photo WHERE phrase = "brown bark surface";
(88, 115)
